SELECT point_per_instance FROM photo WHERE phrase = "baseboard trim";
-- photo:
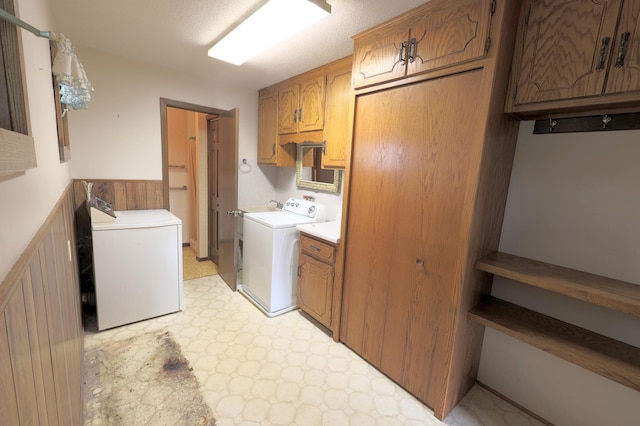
(515, 404)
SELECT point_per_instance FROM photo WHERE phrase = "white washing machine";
(270, 259)
(137, 259)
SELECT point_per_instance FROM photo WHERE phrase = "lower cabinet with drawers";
(316, 271)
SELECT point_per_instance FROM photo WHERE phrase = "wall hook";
(244, 167)
(552, 123)
(605, 120)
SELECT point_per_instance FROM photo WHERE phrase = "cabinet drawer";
(318, 249)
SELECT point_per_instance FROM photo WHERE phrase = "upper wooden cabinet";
(300, 106)
(624, 73)
(311, 107)
(575, 56)
(430, 37)
(269, 150)
(338, 113)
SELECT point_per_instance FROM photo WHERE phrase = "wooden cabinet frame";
(325, 97)
(495, 137)
(576, 59)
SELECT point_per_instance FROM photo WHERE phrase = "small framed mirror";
(309, 171)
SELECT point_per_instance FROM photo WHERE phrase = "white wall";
(27, 199)
(574, 201)
(118, 137)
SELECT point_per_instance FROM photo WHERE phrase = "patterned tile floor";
(256, 370)
(193, 268)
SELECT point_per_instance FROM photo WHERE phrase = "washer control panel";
(306, 208)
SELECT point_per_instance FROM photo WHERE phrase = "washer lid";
(279, 219)
(127, 219)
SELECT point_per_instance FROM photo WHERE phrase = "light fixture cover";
(272, 23)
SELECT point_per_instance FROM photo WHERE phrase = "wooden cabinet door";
(566, 49)
(267, 127)
(407, 226)
(453, 33)
(315, 289)
(311, 106)
(624, 71)
(288, 109)
(377, 56)
(337, 112)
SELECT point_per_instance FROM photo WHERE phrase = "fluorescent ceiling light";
(269, 25)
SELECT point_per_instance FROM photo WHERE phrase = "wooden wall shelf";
(612, 294)
(607, 357)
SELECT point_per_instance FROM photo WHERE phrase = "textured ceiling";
(177, 34)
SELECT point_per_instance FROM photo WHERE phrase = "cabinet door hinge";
(487, 44)
(493, 7)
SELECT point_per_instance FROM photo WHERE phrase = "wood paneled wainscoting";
(123, 194)
(41, 328)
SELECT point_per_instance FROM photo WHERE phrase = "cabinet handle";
(312, 247)
(622, 50)
(295, 115)
(299, 271)
(403, 54)
(273, 149)
(412, 50)
(300, 115)
(603, 53)
(420, 262)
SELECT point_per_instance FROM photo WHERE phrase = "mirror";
(309, 171)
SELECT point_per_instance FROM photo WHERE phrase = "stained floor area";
(255, 370)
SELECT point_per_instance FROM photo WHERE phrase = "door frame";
(164, 136)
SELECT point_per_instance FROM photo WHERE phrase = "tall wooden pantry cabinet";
(426, 185)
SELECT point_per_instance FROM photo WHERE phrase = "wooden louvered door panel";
(407, 227)
(566, 49)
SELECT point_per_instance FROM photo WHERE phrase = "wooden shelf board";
(607, 357)
(607, 292)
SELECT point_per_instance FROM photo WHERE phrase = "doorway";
(201, 182)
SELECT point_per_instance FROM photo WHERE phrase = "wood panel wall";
(41, 346)
(123, 194)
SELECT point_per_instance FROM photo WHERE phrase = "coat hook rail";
(594, 123)
(9, 17)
